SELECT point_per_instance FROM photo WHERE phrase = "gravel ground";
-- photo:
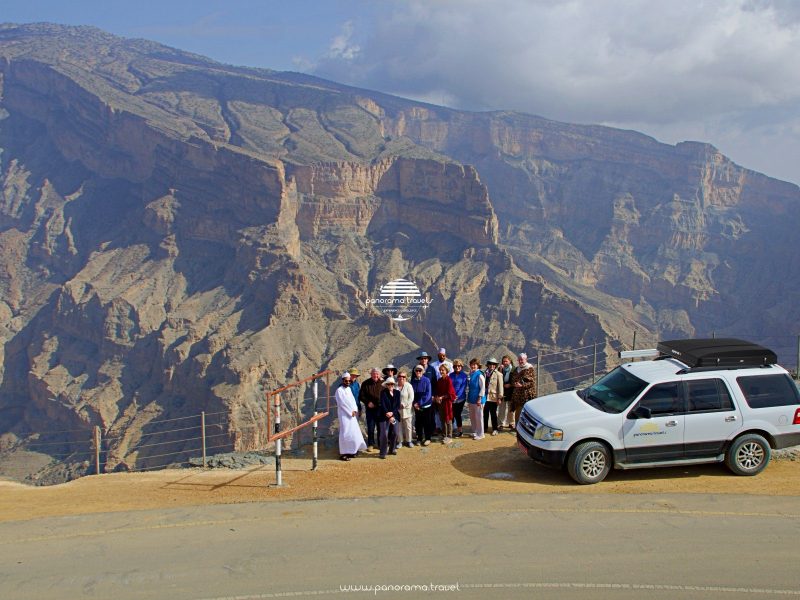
(465, 467)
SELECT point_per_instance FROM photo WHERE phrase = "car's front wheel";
(589, 462)
(748, 454)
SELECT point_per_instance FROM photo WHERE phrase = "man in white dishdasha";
(351, 440)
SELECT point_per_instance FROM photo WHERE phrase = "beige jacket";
(494, 387)
(406, 401)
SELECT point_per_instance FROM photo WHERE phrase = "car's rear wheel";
(748, 454)
(589, 463)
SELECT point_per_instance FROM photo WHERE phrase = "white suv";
(701, 401)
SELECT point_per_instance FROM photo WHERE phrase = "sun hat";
(389, 367)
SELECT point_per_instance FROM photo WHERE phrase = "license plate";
(522, 448)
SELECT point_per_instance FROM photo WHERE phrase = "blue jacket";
(473, 395)
(459, 385)
(431, 373)
(422, 390)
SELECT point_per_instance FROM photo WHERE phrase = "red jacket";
(444, 387)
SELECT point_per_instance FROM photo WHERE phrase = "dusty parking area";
(467, 467)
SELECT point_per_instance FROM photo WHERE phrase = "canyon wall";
(180, 236)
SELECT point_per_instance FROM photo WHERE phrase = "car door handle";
(730, 419)
(671, 423)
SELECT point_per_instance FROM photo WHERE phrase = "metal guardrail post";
(314, 430)
(538, 377)
(594, 364)
(278, 442)
(203, 435)
(96, 450)
(797, 372)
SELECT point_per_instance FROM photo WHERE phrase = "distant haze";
(723, 71)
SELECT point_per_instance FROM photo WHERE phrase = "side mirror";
(640, 412)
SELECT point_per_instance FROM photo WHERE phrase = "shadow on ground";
(511, 465)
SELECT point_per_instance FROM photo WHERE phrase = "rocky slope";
(178, 235)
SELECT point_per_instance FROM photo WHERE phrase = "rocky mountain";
(178, 235)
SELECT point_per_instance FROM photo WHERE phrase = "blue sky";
(719, 71)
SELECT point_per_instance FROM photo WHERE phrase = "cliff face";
(178, 235)
(681, 232)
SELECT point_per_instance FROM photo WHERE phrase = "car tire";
(589, 463)
(748, 454)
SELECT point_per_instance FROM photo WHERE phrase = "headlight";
(548, 434)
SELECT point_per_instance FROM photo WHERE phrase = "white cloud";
(342, 47)
(668, 69)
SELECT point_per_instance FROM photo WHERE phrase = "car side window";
(707, 395)
(764, 391)
(663, 399)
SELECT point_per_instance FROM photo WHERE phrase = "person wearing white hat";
(494, 394)
(351, 440)
(388, 413)
(523, 384)
(442, 360)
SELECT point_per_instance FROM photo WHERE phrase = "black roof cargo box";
(718, 352)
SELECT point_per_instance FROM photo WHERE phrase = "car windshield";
(614, 392)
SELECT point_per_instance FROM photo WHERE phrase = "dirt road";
(467, 467)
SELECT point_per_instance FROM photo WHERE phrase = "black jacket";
(389, 403)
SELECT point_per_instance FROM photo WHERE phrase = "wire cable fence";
(579, 367)
(161, 444)
(192, 439)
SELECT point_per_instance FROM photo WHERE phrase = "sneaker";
(393, 452)
(383, 456)
(458, 434)
(370, 448)
(344, 458)
(479, 437)
(410, 444)
(426, 443)
(494, 432)
(447, 440)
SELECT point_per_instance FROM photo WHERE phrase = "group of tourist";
(406, 409)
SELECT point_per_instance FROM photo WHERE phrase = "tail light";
(796, 417)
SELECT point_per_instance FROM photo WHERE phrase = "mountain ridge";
(178, 236)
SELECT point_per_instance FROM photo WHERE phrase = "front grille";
(528, 423)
